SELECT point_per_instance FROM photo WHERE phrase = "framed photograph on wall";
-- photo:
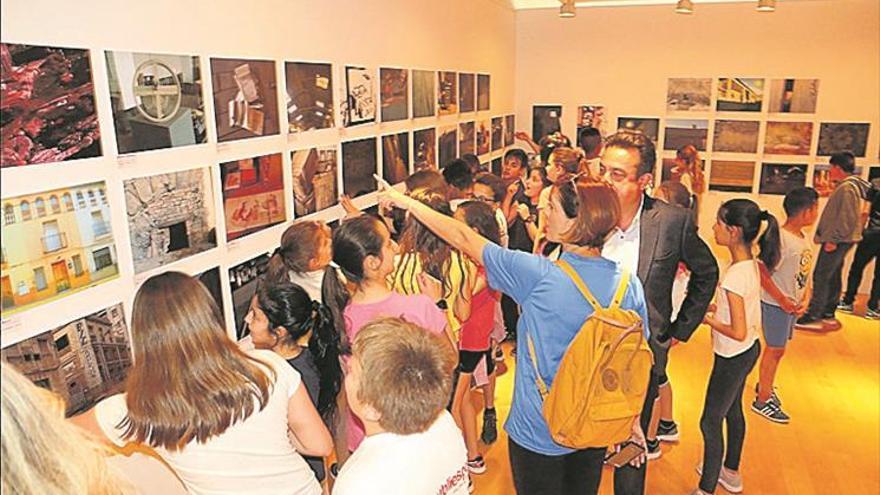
(683, 132)
(35, 128)
(688, 94)
(740, 94)
(484, 87)
(788, 138)
(545, 121)
(497, 133)
(736, 136)
(793, 95)
(779, 178)
(309, 96)
(447, 145)
(394, 94)
(359, 164)
(395, 157)
(243, 279)
(466, 92)
(447, 93)
(360, 96)
(423, 93)
(509, 129)
(315, 186)
(467, 138)
(649, 126)
(253, 194)
(484, 136)
(245, 98)
(732, 176)
(835, 137)
(425, 149)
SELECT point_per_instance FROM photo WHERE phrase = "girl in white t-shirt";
(735, 328)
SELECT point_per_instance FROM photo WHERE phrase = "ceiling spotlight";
(567, 9)
(766, 6)
(684, 7)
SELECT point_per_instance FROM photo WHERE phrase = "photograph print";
(156, 100)
(590, 116)
(253, 194)
(395, 157)
(793, 95)
(689, 95)
(83, 361)
(424, 149)
(736, 136)
(170, 217)
(467, 97)
(682, 132)
(837, 137)
(447, 93)
(55, 243)
(545, 121)
(649, 126)
(509, 129)
(466, 138)
(245, 98)
(483, 92)
(779, 178)
(671, 171)
(243, 279)
(48, 105)
(731, 176)
(423, 93)
(788, 138)
(497, 133)
(359, 105)
(309, 98)
(358, 167)
(210, 278)
(394, 94)
(484, 136)
(314, 179)
(740, 94)
(447, 145)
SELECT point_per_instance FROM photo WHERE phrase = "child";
(785, 294)
(734, 339)
(280, 316)
(364, 251)
(474, 344)
(398, 384)
(303, 257)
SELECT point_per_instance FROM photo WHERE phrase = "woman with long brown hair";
(219, 416)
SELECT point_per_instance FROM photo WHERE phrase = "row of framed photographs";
(50, 104)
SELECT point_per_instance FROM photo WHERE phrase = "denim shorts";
(777, 325)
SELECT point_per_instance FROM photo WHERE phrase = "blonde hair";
(407, 373)
(41, 451)
(189, 381)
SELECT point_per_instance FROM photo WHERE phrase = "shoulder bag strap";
(621, 289)
(573, 275)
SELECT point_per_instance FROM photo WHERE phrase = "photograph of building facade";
(83, 361)
(170, 217)
(737, 94)
(55, 243)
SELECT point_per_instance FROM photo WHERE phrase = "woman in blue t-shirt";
(580, 216)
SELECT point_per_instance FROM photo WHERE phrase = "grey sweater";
(841, 218)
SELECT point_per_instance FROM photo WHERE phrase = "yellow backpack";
(600, 386)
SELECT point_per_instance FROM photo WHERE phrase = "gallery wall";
(622, 57)
(460, 35)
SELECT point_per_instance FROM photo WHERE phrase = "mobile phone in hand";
(628, 451)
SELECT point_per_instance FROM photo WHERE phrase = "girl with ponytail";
(280, 316)
(302, 257)
(735, 324)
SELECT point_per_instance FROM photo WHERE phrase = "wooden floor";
(829, 385)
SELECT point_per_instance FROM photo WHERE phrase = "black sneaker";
(770, 411)
(477, 465)
(667, 432)
(845, 307)
(490, 427)
(334, 470)
(872, 314)
(653, 453)
(774, 398)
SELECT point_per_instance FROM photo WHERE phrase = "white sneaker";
(729, 480)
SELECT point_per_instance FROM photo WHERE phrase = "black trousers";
(867, 250)
(827, 282)
(724, 404)
(629, 480)
(510, 313)
(536, 474)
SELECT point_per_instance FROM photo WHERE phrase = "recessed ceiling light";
(684, 7)
(766, 6)
(567, 9)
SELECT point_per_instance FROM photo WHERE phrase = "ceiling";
(552, 4)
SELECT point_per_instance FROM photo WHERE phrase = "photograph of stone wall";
(48, 105)
(83, 361)
(55, 243)
(170, 217)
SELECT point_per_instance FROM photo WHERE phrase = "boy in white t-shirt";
(785, 294)
(398, 384)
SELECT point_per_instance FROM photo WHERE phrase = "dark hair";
(427, 179)
(299, 245)
(289, 306)
(675, 193)
(543, 173)
(595, 208)
(353, 241)
(458, 174)
(551, 142)
(472, 161)
(629, 139)
(589, 139)
(747, 215)
(799, 199)
(845, 160)
(481, 217)
(418, 242)
(519, 155)
(492, 181)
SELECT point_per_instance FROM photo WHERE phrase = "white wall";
(622, 57)
(458, 35)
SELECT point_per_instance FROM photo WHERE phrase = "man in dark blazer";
(650, 240)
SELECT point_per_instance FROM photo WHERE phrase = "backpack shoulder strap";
(542, 387)
(621, 289)
(582, 287)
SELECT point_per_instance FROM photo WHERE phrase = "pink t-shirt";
(418, 309)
